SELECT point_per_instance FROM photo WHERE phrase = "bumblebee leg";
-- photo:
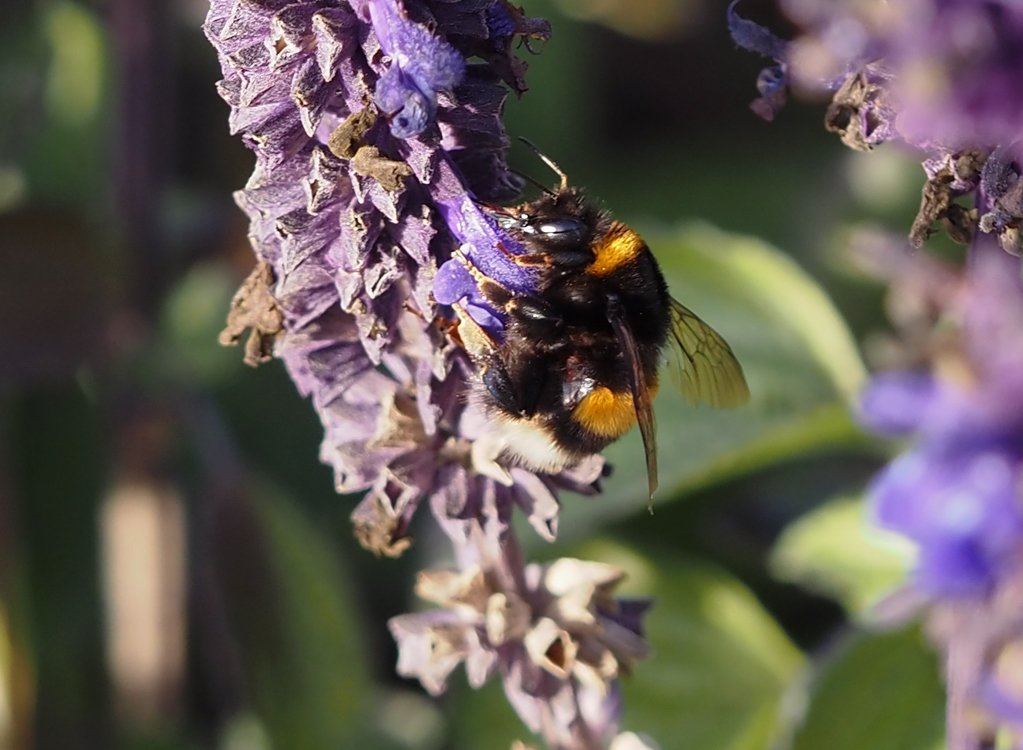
(536, 321)
(518, 401)
(570, 257)
(530, 260)
(535, 310)
(573, 258)
(494, 293)
(484, 454)
(490, 289)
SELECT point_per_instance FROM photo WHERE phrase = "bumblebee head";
(553, 220)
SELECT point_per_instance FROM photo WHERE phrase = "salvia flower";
(421, 66)
(554, 633)
(954, 66)
(957, 491)
(944, 77)
(374, 140)
(377, 133)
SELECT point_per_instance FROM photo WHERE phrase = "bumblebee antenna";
(534, 182)
(549, 162)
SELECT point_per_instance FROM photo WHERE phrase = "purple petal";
(430, 646)
(421, 65)
(772, 83)
(409, 109)
(754, 37)
(953, 568)
(897, 403)
(963, 511)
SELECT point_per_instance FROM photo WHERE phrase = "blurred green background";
(175, 568)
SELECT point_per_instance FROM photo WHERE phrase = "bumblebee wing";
(707, 371)
(641, 400)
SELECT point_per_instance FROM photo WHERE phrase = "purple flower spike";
(421, 66)
(941, 77)
(895, 404)
(376, 148)
(351, 225)
(963, 511)
(957, 492)
(553, 634)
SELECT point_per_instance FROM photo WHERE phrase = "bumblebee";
(579, 362)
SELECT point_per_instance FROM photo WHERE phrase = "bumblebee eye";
(561, 230)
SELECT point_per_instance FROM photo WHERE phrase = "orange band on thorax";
(619, 246)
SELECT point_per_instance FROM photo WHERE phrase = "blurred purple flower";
(960, 64)
(957, 492)
(944, 77)
(896, 404)
(963, 510)
(952, 70)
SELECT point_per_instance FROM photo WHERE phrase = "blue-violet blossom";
(957, 492)
(944, 78)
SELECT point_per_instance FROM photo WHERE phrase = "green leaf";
(833, 550)
(483, 718)
(292, 608)
(799, 357)
(58, 449)
(738, 275)
(881, 692)
(721, 667)
(64, 150)
(74, 90)
(717, 679)
(193, 315)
